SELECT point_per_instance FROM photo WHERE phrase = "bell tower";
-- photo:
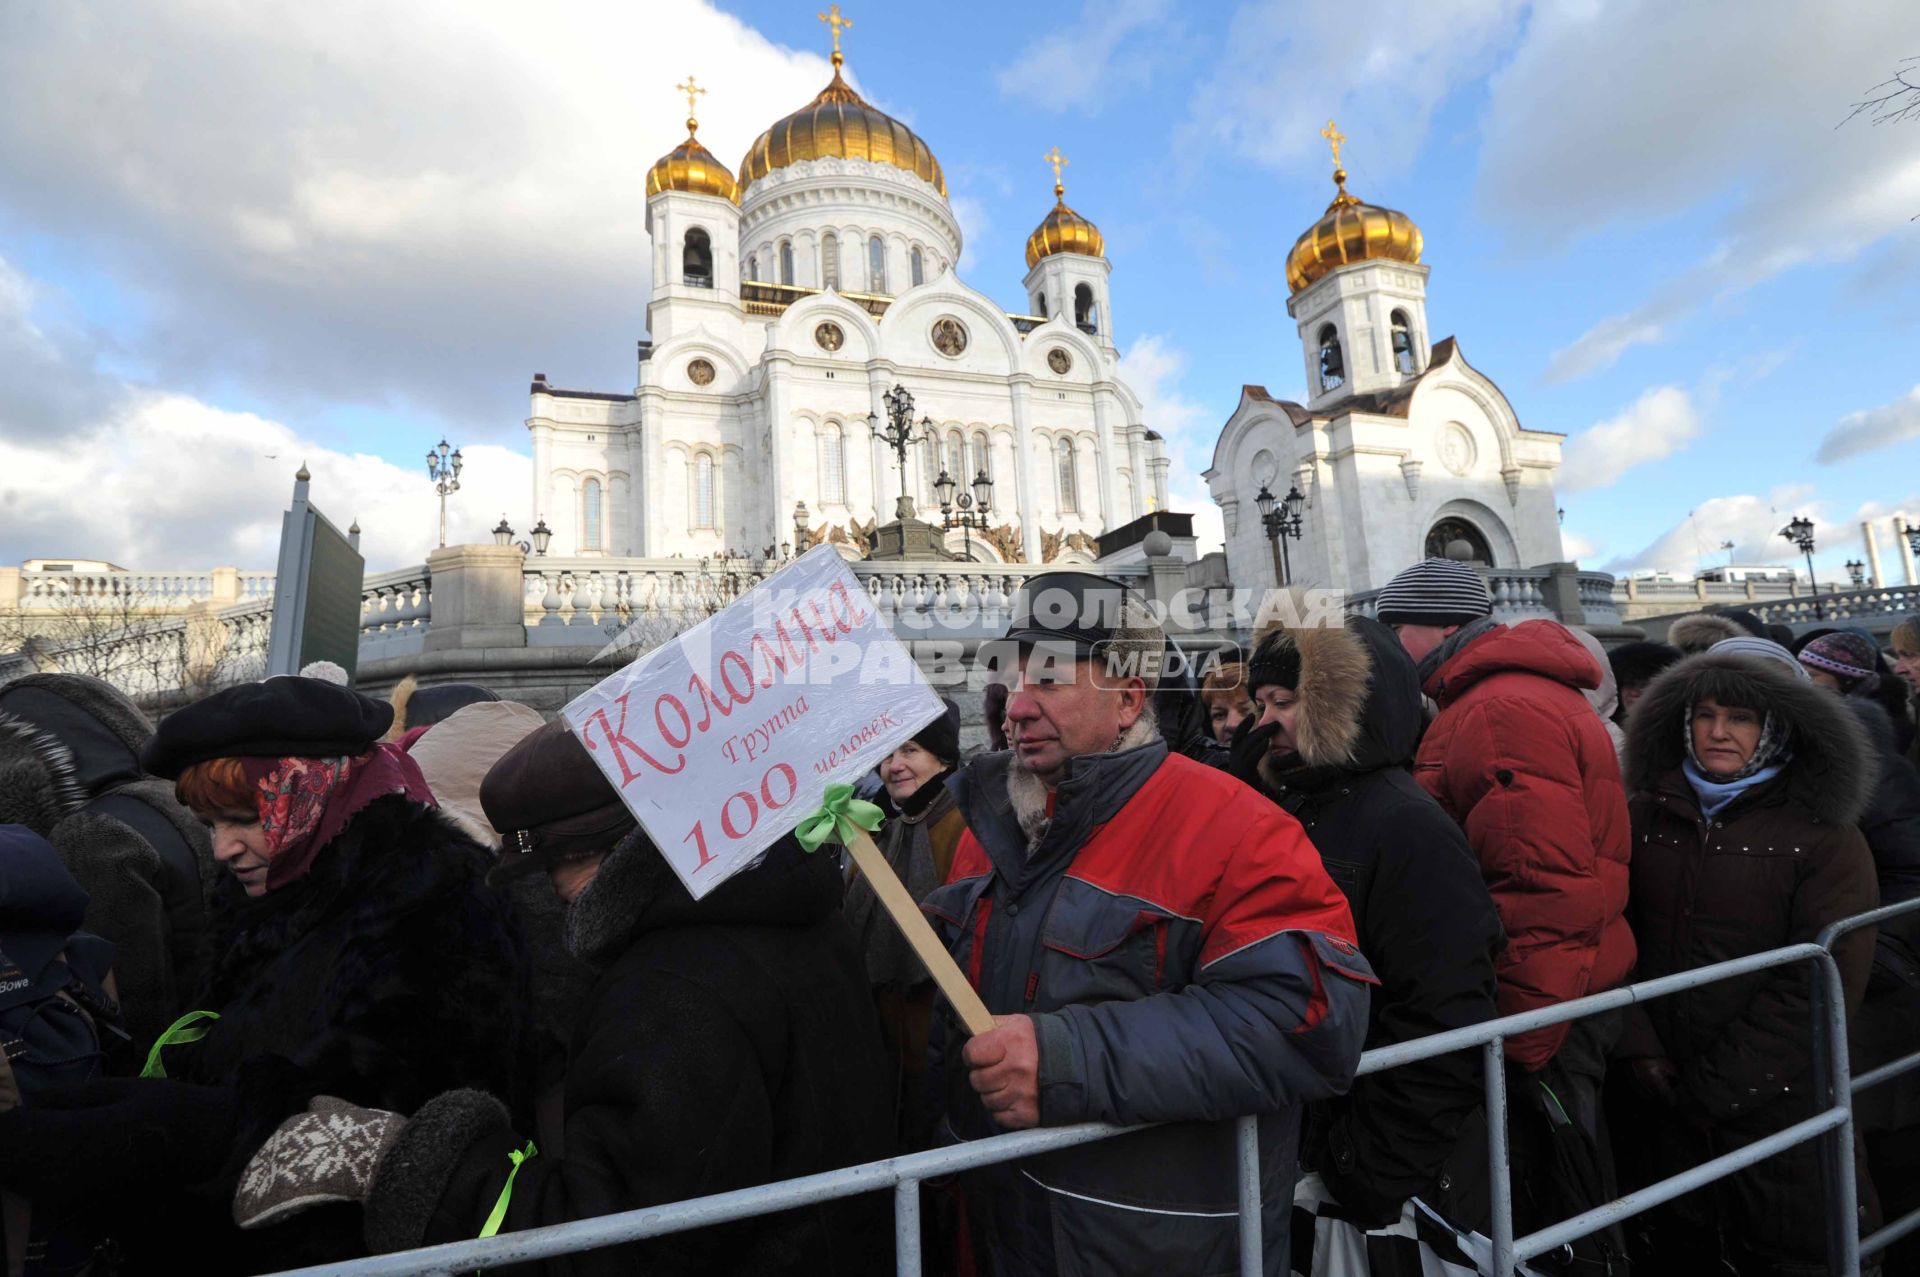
(1067, 267)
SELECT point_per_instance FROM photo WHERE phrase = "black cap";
(430, 705)
(550, 802)
(285, 717)
(941, 737)
(1076, 609)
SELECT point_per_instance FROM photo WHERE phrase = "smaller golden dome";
(691, 167)
(1351, 231)
(1063, 231)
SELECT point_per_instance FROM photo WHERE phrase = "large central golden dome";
(839, 124)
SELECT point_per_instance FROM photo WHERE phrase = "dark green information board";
(316, 595)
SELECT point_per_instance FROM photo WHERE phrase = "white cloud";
(1092, 61)
(1873, 428)
(172, 483)
(1152, 367)
(1381, 71)
(1658, 424)
(408, 204)
(1751, 522)
(1579, 548)
(1639, 111)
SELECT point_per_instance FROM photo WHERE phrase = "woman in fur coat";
(1340, 708)
(1746, 783)
(356, 951)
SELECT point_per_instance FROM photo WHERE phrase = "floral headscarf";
(305, 803)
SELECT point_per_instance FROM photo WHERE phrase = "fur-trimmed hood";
(1359, 695)
(1701, 631)
(63, 739)
(1831, 772)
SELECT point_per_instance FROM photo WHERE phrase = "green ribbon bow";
(186, 1029)
(839, 816)
(498, 1215)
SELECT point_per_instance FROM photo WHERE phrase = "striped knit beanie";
(1437, 592)
(1849, 657)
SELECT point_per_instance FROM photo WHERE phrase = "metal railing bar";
(1892, 1233)
(1873, 917)
(1833, 1068)
(906, 1228)
(1499, 1174)
(1644, 1199)
(1891, 1069)
(1252, 1253)
(1388, 1057)
(720, 1208)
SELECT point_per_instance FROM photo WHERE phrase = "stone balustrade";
(1558, 592)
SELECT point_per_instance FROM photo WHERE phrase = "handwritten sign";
(722, 740)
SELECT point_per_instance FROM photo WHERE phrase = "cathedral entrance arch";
(1487, 535)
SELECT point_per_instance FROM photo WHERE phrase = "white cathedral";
(1402, 451)
(787, 302)
(790, 298)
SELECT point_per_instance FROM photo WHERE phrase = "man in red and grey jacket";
(1158, 944)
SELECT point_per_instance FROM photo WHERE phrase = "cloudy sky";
(235, 236)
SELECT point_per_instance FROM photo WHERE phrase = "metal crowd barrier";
(1832, 1126)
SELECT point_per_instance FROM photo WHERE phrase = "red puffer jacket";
(1519, 757)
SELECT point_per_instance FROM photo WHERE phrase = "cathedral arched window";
(1403, 356)
(590, 522)
(833, 465)
(830, 260)
(1086, 316)
(703, 511)
(753, 268)
(696, 259)
(982, 459)
(917, 268)
(956, 458)
(1040, 305)
(1333, 368)
(876, 265)
(786, 261)
(1068, 481)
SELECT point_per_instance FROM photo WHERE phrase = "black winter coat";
(70, 771)
(1772, 868)
(1424, 917)
(386, 975)
(727, 1042)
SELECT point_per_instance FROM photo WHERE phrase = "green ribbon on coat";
(839, 817)
(186, 1029)
(498, 1215)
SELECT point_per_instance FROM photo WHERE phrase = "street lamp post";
(1282, 520)
(541, 534)
(502, 532)
(1800, 532)
(968, 511)
(444, 471)
(1857, 572)
(899, 436)
(802, 538)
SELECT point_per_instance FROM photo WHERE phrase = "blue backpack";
(56, 1005)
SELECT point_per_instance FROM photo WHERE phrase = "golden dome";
(1351, 231)
(693, 168)
(840, 125)
(1063, 231)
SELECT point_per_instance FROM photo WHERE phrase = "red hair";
(216, 785)
(1227, 682)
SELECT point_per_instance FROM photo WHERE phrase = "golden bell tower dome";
(690, 166)
(840, 124)
(1349, 231)
(1063, 230)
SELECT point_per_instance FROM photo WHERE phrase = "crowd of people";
(301, 975)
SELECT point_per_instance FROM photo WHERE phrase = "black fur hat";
(1637, 663)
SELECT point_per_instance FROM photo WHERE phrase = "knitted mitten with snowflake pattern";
(326, 1154)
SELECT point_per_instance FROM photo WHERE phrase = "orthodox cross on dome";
(694, 92)
(1334, 138)
(1059, 162)
(837, 23)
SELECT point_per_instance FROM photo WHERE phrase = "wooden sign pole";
(919, 933)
